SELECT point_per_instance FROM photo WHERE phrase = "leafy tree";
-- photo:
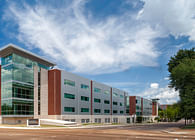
(182, 76)
(171, 113)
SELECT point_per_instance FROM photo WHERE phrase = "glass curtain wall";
(147, 107)
(138, 106)
(17, 85)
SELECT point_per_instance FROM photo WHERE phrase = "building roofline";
(11, 48)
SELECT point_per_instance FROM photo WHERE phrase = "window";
(87, 120)
(115, 94)
(97, 100)
(115, 103)
(115, 120)
(121, 112)
(97, 120)
(69, 96)
(84, 98)
(106, 111)
(121, 104)
(97, 110)
(128, 120)
(106, 102)
(121, 96)
(115, 111)
(137, 107)
(84, 109)
(69, 82)
(106, 92)
(83, 86)
(82, 120)
(107, 120)
(69, 109)
(127, 111)
(97, 90)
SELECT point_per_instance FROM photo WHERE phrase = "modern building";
(164, 106)
(31, 88)
(141, 107)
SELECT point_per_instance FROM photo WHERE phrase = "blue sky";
(123, 43)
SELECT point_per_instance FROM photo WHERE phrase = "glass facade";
(147, 107)
(17, 81)
(138, 106)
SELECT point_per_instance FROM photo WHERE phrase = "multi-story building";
(141, 107)
(164, 106)
(31, 88)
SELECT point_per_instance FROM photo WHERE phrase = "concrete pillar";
(35, 92)
(44, 93)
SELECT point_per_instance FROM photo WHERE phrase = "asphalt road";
(145, 132)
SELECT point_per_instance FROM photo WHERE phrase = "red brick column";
(54, 92)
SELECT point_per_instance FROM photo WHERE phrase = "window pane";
(84, 98)
(106, 101)
(97, 110)
(97, 100)
(69, 82)
(106, 111)
(84, 109)
(97, 90)
(106, 92)
(69, 109)
(115, 94)
(69, 96)
(83, 86)
(115, 103)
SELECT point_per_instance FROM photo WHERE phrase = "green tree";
(182, 76)
(171, 113)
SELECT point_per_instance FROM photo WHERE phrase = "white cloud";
(76, 42)
(176, 17)
(166, 95)
(166, 78)
(81, 43)
(121, 84)
(154, 85)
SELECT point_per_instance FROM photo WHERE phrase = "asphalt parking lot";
(164, 131)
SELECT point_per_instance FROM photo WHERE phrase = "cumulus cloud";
(78, 43)
(166, 78)
(154, 85)
(176, 17)
(166, 95)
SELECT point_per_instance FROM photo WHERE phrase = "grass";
(190, 126)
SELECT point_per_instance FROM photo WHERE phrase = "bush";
(139, 119)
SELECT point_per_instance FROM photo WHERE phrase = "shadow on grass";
(189, 126)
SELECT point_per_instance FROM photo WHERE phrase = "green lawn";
(190, 126)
